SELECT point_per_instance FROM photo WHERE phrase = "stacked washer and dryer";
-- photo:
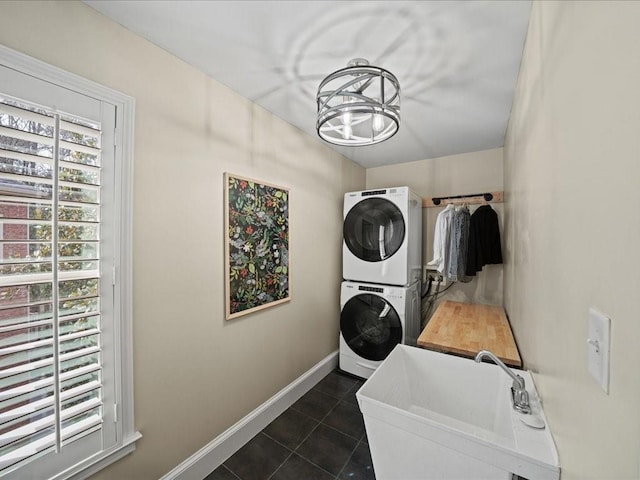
(382, 270)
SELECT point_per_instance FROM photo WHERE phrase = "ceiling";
(457, 61)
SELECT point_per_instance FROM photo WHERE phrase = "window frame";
(123, 203)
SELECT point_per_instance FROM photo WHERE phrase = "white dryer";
(373, 320)
(382, 236)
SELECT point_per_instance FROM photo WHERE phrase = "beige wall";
(195, 373)
(572, 179)
(475, 172)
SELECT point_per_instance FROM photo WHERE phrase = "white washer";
(373, 320)
(382, 236)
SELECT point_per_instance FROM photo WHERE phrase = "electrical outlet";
(428, 272)
(438, 278)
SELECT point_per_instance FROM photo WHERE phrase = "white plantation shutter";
(58, 295)
(50, 355)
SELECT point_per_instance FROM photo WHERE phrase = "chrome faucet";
(519, 395)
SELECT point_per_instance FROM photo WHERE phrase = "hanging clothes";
(458, 245)
(484, 240)
(442, 240)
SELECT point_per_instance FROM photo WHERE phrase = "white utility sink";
(432, 415)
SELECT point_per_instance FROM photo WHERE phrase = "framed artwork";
(258, 264)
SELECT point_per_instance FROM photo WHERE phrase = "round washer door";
(374, 229)
(370, 326)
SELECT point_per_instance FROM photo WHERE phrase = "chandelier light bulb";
(347, 132)
(378, 122)
(346, 118)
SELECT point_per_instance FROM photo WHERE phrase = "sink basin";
(432, 415)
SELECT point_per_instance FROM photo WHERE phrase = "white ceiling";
(457, 61)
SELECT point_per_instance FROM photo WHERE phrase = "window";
(65, 321)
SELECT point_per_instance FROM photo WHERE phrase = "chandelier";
(358, 105)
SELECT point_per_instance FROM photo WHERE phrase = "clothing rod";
(473, 198)
(487, 196)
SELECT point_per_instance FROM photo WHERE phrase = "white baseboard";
(212, 455)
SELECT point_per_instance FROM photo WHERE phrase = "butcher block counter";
(466, 328)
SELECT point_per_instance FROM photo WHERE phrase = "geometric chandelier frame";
(358, 105)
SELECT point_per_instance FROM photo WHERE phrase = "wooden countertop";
(467, 328)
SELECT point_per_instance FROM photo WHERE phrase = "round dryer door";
(370, 326)
(374, 229)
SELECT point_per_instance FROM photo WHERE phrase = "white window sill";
(102, 460)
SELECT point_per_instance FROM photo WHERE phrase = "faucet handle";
(518, 383)
(520, 399)
(519, 395)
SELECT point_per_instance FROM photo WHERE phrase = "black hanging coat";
(484, 240)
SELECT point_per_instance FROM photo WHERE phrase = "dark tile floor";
(320, 437)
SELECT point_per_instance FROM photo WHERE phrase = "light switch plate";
(598, 346)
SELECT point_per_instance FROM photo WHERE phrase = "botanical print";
(257, 245)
